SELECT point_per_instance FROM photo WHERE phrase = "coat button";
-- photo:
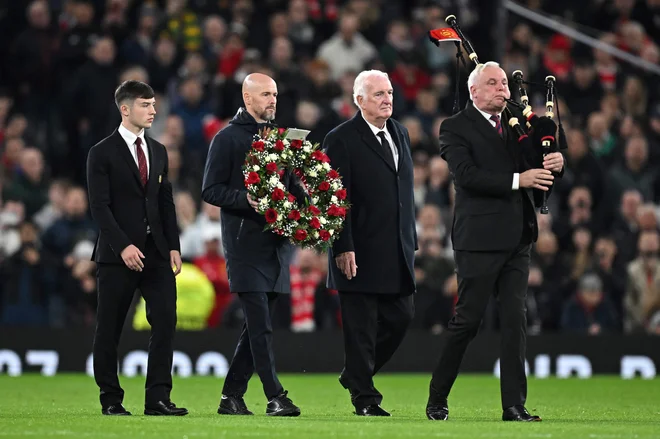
(144, 220)
(146, 199)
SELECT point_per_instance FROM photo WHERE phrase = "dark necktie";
(498, 124)
(142, 161)
(386, 147)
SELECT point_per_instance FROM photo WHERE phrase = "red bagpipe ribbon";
(443, 34)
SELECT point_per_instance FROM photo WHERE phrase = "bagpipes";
(540, 129)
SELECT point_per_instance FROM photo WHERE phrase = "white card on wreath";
(297, 134)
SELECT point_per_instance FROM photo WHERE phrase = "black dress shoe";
(115, 410)
(164, 408)
(519, 413)
(437, 411)
(233, 405)
(281, 405)
(371, 410)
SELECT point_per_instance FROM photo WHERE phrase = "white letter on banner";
(133, 361)
(89, 366)
(542, 366)
(12, 361)
(631, 364)
(212, 361)
(48, 360)
(182, 364)
(567, 364)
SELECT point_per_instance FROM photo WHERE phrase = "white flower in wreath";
(334, 186)
(326, 166)
(331, 232)
(287, 205)
(280, 217)
(274, 180)
(272, 157)
(256, 168)
(280, 185)
(316, 235)
(312, 174)
(307, 148)
(315, 200)
(322, 220)
(263, 201)
(334, 199)
(319, 167)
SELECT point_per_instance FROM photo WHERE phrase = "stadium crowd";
(595, 267)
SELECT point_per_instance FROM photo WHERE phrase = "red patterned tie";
(498, 124)
(142, 161)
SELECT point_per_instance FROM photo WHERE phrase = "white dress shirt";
(516, 176)
(388, 137)
(130, 139)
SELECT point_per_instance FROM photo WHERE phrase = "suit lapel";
(126, 154)
(369, 138)
(152, 160)
(398, 142)
(486, 129)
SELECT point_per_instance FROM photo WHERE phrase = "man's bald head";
(260, 96)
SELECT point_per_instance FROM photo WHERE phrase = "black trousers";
(480, 275)
(116, 289)
(374, 326)
(255, 348)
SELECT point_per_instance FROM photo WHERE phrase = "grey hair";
(474, 75)
(359, 84)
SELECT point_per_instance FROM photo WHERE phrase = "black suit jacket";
(488, 214)
(380, 224)
(122, 207)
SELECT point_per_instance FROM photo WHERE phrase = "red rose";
(325, 158)
(341, 194)
(279, 146)
(296, 144)
(271, 216)
(291, 198)
(300, 235)
(342, 211)
(333, 174)
(271, 167)
(324, 235)
(315, 210)
(252, 178)
(324, 186)
(315, 223)
(258, 145)
(278, 194)
(317, 155)
(294, 215)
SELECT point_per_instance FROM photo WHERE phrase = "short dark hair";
(132, 90)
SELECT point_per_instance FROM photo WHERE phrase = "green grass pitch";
(65, 406)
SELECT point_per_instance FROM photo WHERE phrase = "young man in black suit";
(493, 230)
(137, 248)
(257, 260)
(372, 260)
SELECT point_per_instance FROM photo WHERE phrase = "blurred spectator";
(213, 265)
(24, 293)
(30, 186)
(347, 50)
(589, 312)
(642, 298)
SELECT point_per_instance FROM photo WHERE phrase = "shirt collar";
(487, 115)
(374, 128)
(129, 137)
